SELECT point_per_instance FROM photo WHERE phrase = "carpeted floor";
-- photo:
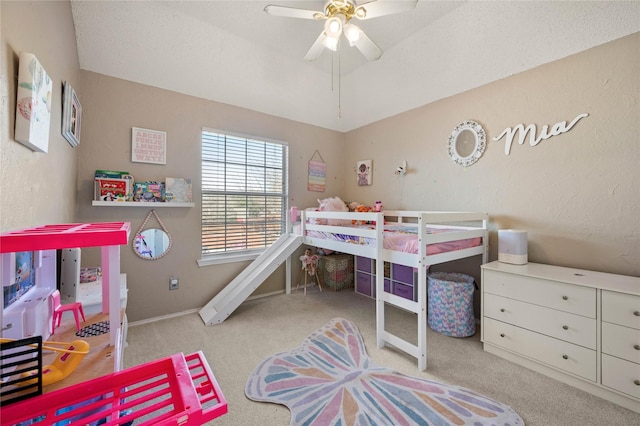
(263, 327)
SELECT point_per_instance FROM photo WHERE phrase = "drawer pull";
(565, 327)
(636, 382)
(565, 297)
(636, 347)
(501, 309)
(501, 334)
(565, 356)
(636, 313)
(7, 327)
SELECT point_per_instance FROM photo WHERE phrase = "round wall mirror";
(467, 143)
(151, 243)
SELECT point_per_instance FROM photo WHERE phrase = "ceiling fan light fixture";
(352, 33)
(331, 42)
(333, 27)
(360, 13)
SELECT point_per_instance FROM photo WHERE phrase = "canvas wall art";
(33, 105)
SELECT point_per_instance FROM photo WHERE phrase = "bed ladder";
(241, 287)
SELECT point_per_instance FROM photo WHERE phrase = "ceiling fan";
(337, 15)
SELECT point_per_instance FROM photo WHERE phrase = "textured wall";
(576, 194)
(111, 108)
(37, 188)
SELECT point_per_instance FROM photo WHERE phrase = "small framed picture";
(148, 146)
(364, 172)
(71, 115)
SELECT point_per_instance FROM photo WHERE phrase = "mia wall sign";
(148, 146)
(545, 133)
(33, 106)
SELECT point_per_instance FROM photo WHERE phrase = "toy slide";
(63, 365)
(241, 287)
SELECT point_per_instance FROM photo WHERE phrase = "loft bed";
(416, 239)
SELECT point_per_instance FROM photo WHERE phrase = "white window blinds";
(244, 193)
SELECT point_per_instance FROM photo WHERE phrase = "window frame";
(248, 254)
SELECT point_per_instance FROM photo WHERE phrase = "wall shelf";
(138, 204)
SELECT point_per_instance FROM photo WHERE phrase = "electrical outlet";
(173, 284)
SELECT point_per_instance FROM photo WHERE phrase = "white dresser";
(580, 327)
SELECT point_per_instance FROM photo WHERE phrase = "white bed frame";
(466, 225)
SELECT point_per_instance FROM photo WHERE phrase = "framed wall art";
(71, 115)
(364, 173)
(148, 146)
(33, 104)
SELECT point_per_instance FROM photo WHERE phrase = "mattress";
(401, 238)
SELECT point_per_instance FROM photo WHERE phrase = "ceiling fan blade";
(316, 48)
(367, 47)
(381, 7)
(292, 12)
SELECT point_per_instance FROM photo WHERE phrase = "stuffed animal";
(361, 209)
(334, 204)
(309, 262)
(353, 205)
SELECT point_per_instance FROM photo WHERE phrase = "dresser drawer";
(620, 308)
(561, 325)
(561, 296)
(621, 375)
(568, 357)
(622, 342)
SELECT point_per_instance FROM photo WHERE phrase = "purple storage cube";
(403, 273)
(450, 304)
(363, 264)
(363, 283)
(403, 290)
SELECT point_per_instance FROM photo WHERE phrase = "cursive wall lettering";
(545, 133)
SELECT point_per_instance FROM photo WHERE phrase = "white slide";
(225, 302)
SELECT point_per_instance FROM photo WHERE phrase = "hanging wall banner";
(317, 173)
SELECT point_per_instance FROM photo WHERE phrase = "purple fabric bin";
(450, 304)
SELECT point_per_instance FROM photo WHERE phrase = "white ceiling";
(233, 52)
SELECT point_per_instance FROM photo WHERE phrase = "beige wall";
(576, 194)
(37, 188)
(111, 107)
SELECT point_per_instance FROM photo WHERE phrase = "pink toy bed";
(411, 238)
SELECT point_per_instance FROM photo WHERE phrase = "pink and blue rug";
(330, 380)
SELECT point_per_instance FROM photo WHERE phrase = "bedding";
(400, 238)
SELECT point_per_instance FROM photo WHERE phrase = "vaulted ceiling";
(233, 52)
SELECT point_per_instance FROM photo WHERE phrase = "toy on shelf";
(309, 268)
(177, 390)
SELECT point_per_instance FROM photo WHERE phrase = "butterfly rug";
(330, 380)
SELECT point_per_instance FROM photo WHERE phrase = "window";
(244, 194)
